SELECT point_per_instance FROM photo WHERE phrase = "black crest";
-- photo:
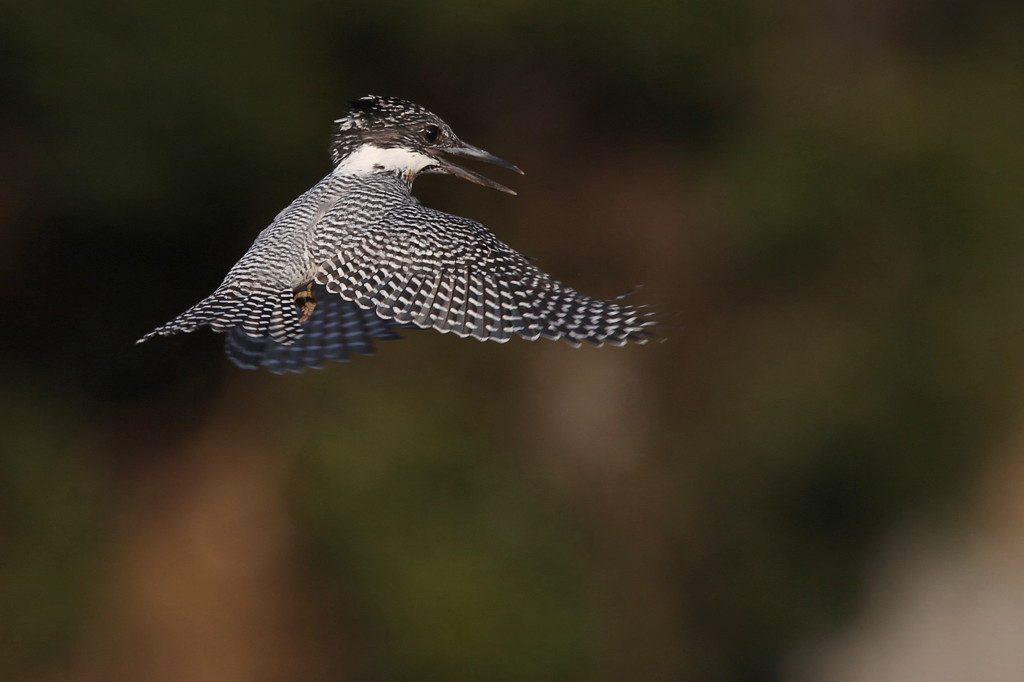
(386, 122)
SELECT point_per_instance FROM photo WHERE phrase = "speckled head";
(392, 135)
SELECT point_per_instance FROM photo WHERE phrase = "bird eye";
(430, 133)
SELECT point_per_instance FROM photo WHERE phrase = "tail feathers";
(336, 329)
(261, 313)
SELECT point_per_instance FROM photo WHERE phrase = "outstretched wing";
(430, 269)
(256, 310)
(336, 329)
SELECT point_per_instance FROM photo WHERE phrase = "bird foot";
(306, 301)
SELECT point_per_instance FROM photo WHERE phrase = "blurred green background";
(825, 198)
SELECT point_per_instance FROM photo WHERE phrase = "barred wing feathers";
(430, 269)
(259, 311)
(336, 329)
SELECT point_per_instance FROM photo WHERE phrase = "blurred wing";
(336, 329)
(426, 268)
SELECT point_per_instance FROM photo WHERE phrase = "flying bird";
(357, 255)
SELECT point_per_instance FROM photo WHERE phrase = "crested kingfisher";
(357, 255)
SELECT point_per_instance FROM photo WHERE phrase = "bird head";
(387, 134)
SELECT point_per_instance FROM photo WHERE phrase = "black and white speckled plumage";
(376, 258)
(338, 329)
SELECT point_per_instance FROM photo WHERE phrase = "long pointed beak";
(471, 152)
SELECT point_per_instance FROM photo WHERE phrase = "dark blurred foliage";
(825, 199)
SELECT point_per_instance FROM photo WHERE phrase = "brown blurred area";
(816, 476)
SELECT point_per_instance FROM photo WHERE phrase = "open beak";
(471, 152)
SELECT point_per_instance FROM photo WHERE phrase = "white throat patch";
(373, 159)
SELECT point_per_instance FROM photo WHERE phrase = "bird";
(357, 257)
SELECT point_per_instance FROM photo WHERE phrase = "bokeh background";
(819, 475)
